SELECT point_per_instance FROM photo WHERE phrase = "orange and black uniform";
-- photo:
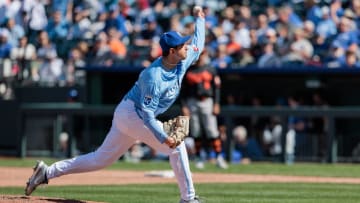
(200, 92)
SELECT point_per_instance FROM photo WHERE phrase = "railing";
(77, 109)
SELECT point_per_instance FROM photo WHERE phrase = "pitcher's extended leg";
(179, 163)
(115, 144)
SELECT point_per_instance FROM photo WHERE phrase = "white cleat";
(37, 178)
(195, 200)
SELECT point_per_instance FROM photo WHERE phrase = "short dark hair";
(167, 52)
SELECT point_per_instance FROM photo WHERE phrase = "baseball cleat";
(37, 178)
(195, 200)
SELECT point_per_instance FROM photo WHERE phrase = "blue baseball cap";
(172, 39)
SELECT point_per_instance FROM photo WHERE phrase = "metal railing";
(69, 110)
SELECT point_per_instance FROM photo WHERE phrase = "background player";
(135, 117)
(200, 99)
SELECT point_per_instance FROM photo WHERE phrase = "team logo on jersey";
(172, 91)
(195, 48)
(147, 100)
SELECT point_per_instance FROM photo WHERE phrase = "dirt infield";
(12, 176)
(25, 199)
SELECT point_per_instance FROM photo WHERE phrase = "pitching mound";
(24, 199)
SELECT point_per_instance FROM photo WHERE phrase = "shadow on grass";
(14, 198)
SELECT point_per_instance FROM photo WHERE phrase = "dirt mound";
(25, 199)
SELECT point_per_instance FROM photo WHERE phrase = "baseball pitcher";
(135, 117)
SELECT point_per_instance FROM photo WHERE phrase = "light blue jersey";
(157, 88)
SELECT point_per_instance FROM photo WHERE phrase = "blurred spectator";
(309, 30)
(313, 11)
(36, 19)
(335, 57)
(210, 18)
(165, 11)
(211, 43)
(271, 14)
(261, 27)
(90, 8)
(326, 27)
(247, 30)
(57, 27)
(355, 7)
(117, 47)
(150, 31)
(286, 17)
(10, 10)
(336, 10)
(100, 54)
(347, 37)
(5, 46)
(188, 23)
(143, 12)
(75, 60)
(58, 30)
(51, 67)
(80, 28)
(270, 36)
(247, 146)
(98, 24)
(65, 7)
(233, 46)
(83, 46)
(242, 34)
(269, 57)
(15, 32)
(282, 40)
(351, 59)
(222, 60)
(24, 54)
(272, 136)
(227, 20)
(175, 23)
(116, 20)
(244, 13)
(244, 58)
(301, 50)
(255, 44)
(3, 8)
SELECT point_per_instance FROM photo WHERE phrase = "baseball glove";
(178, 128)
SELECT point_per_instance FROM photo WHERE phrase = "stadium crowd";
(49, 42)
(44, 41)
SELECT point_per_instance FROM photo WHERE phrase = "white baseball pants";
(126, 128)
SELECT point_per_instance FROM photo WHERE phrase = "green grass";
(298, 169)
(216, 193)
(212, 193)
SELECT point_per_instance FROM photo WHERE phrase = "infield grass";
(215, 192)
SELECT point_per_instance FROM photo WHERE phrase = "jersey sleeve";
(197, 43)
(149, 102)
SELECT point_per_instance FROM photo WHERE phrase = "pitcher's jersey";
(157, 88)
